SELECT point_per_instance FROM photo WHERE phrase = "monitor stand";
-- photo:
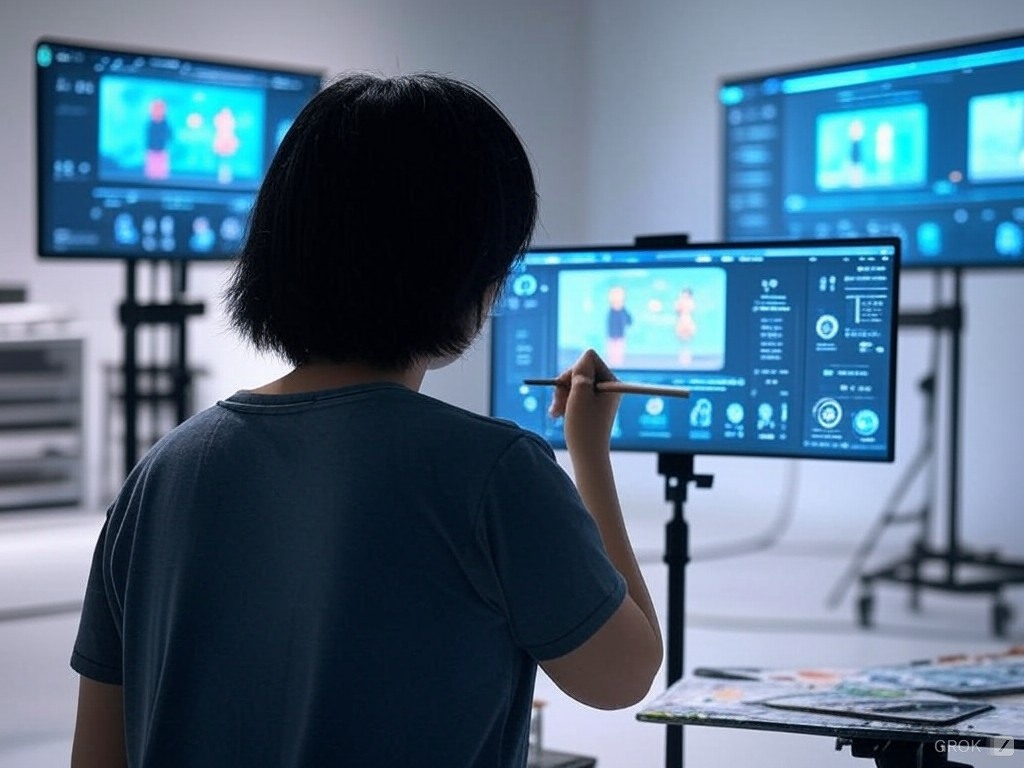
(948, 567)
(678, 471)
(133, 316)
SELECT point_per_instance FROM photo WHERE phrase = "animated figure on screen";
(856, 159)
(225, 143)
(158, 136)
(619, 319)
(686, 326)
(885, 152)
(1020, 139)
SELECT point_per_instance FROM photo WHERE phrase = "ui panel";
(787, 349)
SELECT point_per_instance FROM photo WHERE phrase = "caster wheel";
(1002, 614)
(866, 610)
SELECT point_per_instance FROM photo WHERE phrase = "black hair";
(392, 211)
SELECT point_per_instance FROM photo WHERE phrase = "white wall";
(617, 102)
(527, 55)
(654, 166)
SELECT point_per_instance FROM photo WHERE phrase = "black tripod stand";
(948, 567)
(679, 473)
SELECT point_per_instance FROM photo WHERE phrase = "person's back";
(333, 568)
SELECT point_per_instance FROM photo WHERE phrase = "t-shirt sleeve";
(553, 577)
(97, 649)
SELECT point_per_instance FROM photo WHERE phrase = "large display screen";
(147, 155)
(925, 145)
(787, 348)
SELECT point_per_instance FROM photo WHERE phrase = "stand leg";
(677, 536)
(130, 369)
(679, 473)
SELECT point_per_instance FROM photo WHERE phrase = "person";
(157, 162)
(618, 321)
(334, 568)
(686, 326)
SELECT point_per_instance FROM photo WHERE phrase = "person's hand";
(589, 414)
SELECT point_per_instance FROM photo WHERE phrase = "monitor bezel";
(113, 49)
(870, 58)
(888, 456)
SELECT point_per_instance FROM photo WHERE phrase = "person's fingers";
(588, 369)
(601, 370)
(561, 394)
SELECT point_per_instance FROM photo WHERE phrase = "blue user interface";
(787, 348)
(926, 146)
(154, 155)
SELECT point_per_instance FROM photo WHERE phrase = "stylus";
(622, 387)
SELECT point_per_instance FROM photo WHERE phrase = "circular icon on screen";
(827, 327)
(524, 285)
(655, 406)
(125, 231)
(231, 228)
(734, 413)
(828, 412)
(1009, 240)
(866, 422)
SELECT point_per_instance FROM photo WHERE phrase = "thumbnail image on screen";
(872, 148)
(924, 145)
(159, 131)
(996, 137)
(787, 348)
(657, 319)
(154, 155)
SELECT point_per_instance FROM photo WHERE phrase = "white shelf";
(41, 442)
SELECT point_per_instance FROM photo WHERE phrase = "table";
(909, 715)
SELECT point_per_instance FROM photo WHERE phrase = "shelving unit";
(41, 435)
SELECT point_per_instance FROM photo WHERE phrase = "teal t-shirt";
(360, 576)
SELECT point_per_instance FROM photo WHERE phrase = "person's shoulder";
(187, 437)
(478, 429)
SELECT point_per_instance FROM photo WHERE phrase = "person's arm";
(99, 726)
(615, 667)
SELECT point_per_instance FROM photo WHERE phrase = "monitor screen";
(154, 155)
(787, 348)
(926, 145)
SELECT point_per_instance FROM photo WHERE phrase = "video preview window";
(158, 131)
(644, 319)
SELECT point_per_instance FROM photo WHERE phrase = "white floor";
(765, 608)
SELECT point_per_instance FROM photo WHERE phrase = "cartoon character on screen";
(619, 319)
(686, 326)
(1020, 135)
(885, 151)
(157, 164)
(855, 161)
(225, 143)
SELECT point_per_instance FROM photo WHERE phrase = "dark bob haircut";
(392, 211)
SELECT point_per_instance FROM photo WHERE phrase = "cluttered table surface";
(919, 708)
